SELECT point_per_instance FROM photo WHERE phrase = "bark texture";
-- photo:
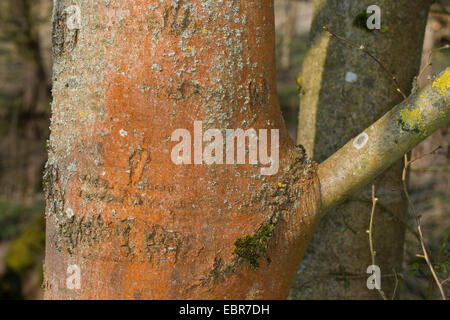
(137, 226)
(126, 219)
(387, 140)
(343, 92)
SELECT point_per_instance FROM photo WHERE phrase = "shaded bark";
(289, 8)
(384, 142)
(344, 92)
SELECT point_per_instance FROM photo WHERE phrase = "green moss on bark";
(252, 248)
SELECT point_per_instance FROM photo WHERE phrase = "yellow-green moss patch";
(443, 83)
(411, 120)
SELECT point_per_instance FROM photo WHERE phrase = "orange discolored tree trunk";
(135, 208)
(120, 213)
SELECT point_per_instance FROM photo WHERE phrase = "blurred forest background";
(25, 95)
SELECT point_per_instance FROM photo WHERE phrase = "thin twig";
(419, 228)
(429, 63)
(443, 168)
(372, 251)
(410, 162)
(393, 214)
(396, 285)
(374, 203)
(363, 49)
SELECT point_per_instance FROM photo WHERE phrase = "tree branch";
(386, 141)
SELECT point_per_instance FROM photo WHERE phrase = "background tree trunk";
(288, 28)
(344, 91)
(27, 118)
(25, 69)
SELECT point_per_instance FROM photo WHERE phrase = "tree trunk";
(123, 219)
(119, 210)
(344, 92)
(288, 32)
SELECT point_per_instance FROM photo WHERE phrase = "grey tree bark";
(288, 32)
(343, 92)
